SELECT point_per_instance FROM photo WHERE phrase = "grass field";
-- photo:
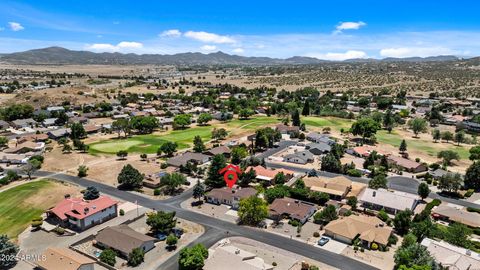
(184, 138)
(427, 146)
(332, 122)
(19, 205)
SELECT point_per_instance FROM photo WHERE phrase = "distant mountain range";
(62, 56)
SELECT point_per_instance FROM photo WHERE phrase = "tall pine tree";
(214, 178)
(296, 118)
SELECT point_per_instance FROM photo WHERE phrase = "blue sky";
(334, 30)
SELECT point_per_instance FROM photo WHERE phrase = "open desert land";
(20, 204)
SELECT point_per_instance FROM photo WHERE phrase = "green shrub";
(156, 192)
(293, 222)
(37, 223)
(163, 166)
(59, 230)
(122, 212)
(374, 246)
(469, 193)
(471, 209)
(274, 264)
(362, 249)
(355, 248)
(316, 234)
(392, 240)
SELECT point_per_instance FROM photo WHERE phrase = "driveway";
(333, 246)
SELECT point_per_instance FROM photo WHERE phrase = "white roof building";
(231, 257)
(392, 201)
(452, 257)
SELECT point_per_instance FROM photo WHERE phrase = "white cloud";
(209, 37)
(15, 26)
(335, 56)
(171, 33)
(416, 51)
(349, 26)
(122, 46)
(208, 48)
(130, 45)
(238, 50)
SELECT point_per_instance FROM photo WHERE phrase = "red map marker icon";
(230, 174)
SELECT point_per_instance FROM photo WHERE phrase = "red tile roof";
(261, 171)
(80, 208)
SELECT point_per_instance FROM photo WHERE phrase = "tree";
(67, 148)
(161, 222)
(198, 145)
(214, 178)
(276, 192)
(169, 148)
(121, 125)
(423, 190)
(414, 254)
(31, 166)
(91, 193)
(238, 153)
(379, 181)
(279, 178)
(122, 154)
(328, 214)
(418, 125)
(219, 134)
(144, 124)
(172, 181)
(3, 141)
(171, 241)
(447, 136)
(403, 147)
(182, 120)
(77, 131)
(331, 163)
(129, 177)
(82, 171)
(108, 256)
(459, 137)
(457, 234)
(245, 113)
(8, 251)
(192, 258)
(472, 176)
(136, 257)
(388, 121)
(448, 156)
(423, 228)
(306, 108)
(246, 178)
(474, 153)
(402, 221)
(198, 190)
(436, 135)
(450, 182)
(252, 210)
(365, 127)
(296, 118)
(204, 118)
(352, 201)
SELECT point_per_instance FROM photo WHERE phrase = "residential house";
(231, 257)
(284, 129)
(58, 133)
(391, 201)
(366, 150)
(300, 157)
(23, 123)
(229, 196)
(153, 180)
(49, 122)
(14, 158)
(291, 208)
(4, 125)
(337, 187)
(366, 228)
(222, 116)
(267, 175)
(449, 214)
(25, 147)
(320, 138)
(55, 109)
(318, 148)
(406, 164)
(184, 158)
(55, 258)
(219, 150)
(81, 214)
(124, 239)
(471, 126)
(90, 129)
(438, 173)
(452, 257)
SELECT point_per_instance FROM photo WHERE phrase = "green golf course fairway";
(15, 211)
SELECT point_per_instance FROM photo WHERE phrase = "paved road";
(398, 183)
(216, 229)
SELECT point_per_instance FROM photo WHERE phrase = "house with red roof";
(80, 214)
(267, 175)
